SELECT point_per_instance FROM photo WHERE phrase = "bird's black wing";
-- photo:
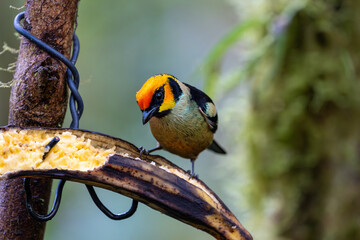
(206, 106)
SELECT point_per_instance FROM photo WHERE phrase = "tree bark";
(38, 98)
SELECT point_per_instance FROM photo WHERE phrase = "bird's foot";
(143, 151)
(147, 152)
(192, 174)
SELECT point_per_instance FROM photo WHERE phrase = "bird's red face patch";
(145, 94)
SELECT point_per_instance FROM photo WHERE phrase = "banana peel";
(116, 166)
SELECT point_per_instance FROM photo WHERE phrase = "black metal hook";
(28, 200)
(72, 72)
(29, 204)
(76, 108)
(106, 211)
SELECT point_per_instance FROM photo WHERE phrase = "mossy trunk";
(304, 131)
(38, 98)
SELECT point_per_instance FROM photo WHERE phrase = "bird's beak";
(147, 114)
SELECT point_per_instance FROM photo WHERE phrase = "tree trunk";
(38, 98)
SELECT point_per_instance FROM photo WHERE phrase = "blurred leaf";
(213, 61)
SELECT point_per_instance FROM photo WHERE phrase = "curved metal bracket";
(29, 204)
(106, 211)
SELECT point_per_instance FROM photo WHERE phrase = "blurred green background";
(123, 43)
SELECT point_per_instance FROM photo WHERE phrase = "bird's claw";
(192, 175)
(143, 151)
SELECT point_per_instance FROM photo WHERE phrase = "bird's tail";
(214, 146)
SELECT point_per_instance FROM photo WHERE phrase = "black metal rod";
(106, 211)
(50, 145)
(29, 203)
(43, 45)
(73, 84)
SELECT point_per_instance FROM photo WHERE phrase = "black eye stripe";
(158, 97)
(175, 88)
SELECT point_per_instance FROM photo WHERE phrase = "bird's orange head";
(158, 96)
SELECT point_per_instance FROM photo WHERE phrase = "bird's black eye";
(159, 96)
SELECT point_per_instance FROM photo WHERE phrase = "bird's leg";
(192, 173)
(158, 147)
(146, 152)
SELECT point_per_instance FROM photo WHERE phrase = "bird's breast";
(183, 131)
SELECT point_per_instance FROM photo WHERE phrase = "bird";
(182, 118)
